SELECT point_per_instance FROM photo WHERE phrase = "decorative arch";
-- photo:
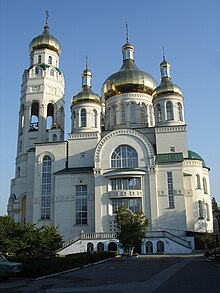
(160, 246)
(90, 247)
(149, 247)
(100, 246)
(130, 132)
(40, 157)
(112, 246)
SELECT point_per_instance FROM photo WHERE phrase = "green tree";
(131, 228)
(19, 239)
(49, 240)
(209, 240)
(215, 205)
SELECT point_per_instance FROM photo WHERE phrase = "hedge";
(34, 267)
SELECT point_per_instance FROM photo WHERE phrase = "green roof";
(169, 158)
(76, 170)
(195, 156)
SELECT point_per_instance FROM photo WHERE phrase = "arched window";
(62, 114)
(94, 118)
(114, 115)
(54, 137)
(207, 212)
(160, 247)
(124, 156)
(36, 71)
(143, 114)
(200, 209)
(123, 113)
(133, 112)
(50, 115)
(74, 119)
(159, 113)
(83, 118)
(100, 246)
(151, 115)
(49, 60)
(204, 185)
(46, 188)
(51, 72)
(198, 184)
(179, 112)
(169, 110)
(23, 209)
(34, 116)
(39, 58)
(149, 247)
(21, 119)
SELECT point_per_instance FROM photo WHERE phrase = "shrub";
(34, 267)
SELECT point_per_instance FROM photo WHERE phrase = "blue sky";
(189, 31)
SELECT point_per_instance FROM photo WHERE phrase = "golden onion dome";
(166, 86)
(129, 78)
(86, 94)
(45, 40)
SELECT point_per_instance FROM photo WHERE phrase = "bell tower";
(42, 93)
(41, 115)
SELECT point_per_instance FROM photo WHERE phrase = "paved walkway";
(145, 274)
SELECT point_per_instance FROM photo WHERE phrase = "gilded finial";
(127, 37)
(86, 62)
(164, 57)
(47, 16)
(46, 27)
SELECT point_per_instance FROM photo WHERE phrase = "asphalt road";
(158, 274)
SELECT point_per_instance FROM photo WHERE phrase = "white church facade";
(127, 147)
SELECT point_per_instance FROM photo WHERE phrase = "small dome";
(45, 40)
(166, 86)
(86, 94)
(195, 156)
(129, 78)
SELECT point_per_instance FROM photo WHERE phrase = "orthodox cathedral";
(127, 147)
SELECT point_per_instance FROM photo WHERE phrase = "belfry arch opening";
(50, 115)
(34, 116)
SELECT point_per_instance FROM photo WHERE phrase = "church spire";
(46, 27)
(86, 77)
(127, 49)
(164, 67)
